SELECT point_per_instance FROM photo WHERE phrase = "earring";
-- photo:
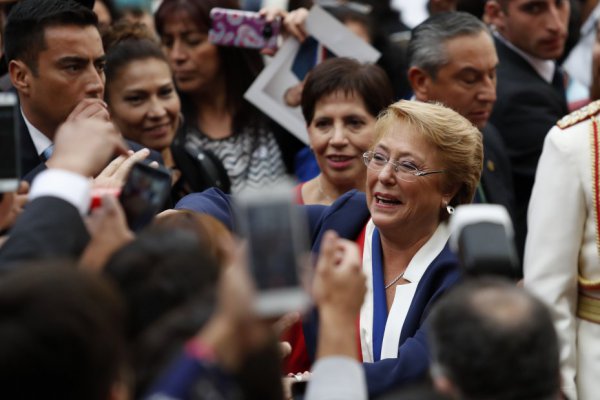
(449, 209)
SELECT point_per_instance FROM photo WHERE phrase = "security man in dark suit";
(453, 61)
(530, 35)
(56, 64)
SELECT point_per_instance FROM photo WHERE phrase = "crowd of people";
(465, 107)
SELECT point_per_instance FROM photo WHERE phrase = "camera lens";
(267, 31)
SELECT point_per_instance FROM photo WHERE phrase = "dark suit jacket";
(526, 108)
(32, 164)
(348, 216)
(49, 227)
(496, 177)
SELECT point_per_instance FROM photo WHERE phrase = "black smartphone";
(276, 232)
(9, 143)
(144, 193)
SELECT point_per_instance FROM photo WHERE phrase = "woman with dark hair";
(212, 81)
(340, 102)
(144, 105)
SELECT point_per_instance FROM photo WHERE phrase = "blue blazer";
(348, 216)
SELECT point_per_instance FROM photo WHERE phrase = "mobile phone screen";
(273, 252)
(276, 232)
(9, 143)
(143, 195)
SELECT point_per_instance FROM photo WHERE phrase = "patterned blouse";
(252, 158)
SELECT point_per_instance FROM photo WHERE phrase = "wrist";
(337, 316)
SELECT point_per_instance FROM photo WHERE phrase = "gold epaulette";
(579, 115)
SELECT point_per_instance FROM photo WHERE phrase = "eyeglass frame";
(396, 166)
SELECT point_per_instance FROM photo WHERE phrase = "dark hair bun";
(124, 30)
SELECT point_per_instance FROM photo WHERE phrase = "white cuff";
(66, 185)
(337, 377)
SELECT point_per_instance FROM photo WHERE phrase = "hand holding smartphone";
(243, 29)
(276, 232)
(144, 193)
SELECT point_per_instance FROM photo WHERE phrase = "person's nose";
(387, 175)
(338, 138)
(556, 22)
(95, 83)
(156, 109)
(487, 92)
(177, 53)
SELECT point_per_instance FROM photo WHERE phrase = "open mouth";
(386, 200)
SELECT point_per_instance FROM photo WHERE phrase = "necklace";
(327, 197)
(396, 279)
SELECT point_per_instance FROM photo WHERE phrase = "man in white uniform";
(562, 262)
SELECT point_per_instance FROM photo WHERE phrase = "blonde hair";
(458, 141)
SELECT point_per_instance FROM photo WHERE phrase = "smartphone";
(9, 143)
(276, 232)
(243, 29)
(144, 194)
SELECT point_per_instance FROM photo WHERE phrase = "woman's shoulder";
(213, 202)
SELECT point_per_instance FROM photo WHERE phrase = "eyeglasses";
(404, 170)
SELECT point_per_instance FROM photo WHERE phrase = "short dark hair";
(159, 271)
(426, 46)
(60, 334)
(27, 21)
(494, 340)
(350, 77)
(126, 42)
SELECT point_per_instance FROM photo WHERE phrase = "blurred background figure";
(212, 81)
(491, 339)
(54, 346)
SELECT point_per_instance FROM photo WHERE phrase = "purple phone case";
(242, 29)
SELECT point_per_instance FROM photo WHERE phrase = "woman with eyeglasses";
(425, 160)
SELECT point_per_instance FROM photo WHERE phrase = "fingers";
(123, 169)
(293, 24)
(112, 167)
(328, 249)
(23, 188)
(285, 349)
(349, 255)
(90, 108)
(271, 13)
(285, 322)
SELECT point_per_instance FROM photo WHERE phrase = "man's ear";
(420, 81)
(494, 15)
(20, 76)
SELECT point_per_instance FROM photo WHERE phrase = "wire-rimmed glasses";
(404, 171)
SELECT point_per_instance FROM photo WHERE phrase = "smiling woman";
(340, 101)
(425, 159)
(143, 102)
